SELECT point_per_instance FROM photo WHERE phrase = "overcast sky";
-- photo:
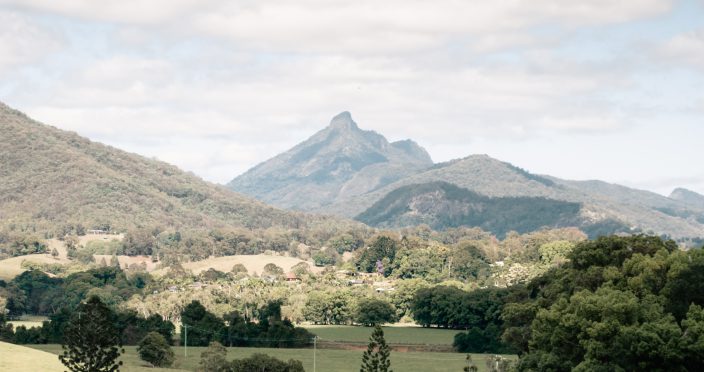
(579, 89)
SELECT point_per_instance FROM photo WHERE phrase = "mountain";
(441, 205)
(617, 207)
(688, 197)
(404, 192)
(340, 161)
(52, 179)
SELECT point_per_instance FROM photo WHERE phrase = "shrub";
(154, 349)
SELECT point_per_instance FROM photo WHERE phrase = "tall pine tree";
(91, 342)
(377, 356)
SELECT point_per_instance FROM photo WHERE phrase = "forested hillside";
(55, 182)
(441, 205)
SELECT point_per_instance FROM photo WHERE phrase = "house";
(292, 277)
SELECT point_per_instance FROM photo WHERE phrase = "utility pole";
(315, 348)
(185, 341)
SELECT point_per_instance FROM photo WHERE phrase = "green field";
(29, 321)
(326, 360)
(21, 358)
(393, 335)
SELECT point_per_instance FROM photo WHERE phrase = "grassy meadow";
(20, 358)
(29, 321)
(393, 334)
(326, 360)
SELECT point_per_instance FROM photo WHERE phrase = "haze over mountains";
(345, 171)
(51, 178)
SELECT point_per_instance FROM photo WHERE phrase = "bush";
(263, 362)
(371, 312)
(213, 359)
(154, 349)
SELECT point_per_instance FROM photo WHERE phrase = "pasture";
(21, 358)
(326, 360)
(253, 263)
(392, 334)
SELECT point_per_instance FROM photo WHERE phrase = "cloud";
(216, 86)
(686, 48)
(364, 26)
(23, 41)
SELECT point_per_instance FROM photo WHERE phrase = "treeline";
(633, 303)
(199, 328)
(478, 312)
(34, 292)
(130, 326)
(267, 329)
(617, 303)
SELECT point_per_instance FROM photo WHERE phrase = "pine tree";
(91, 342)
(114, 262)
(376, 358)
(470, 365)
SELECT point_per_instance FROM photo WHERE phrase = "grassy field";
(11, 267)
(393, 335)
(29, 321)
(326, 360)
(253, 263)
(20, 358)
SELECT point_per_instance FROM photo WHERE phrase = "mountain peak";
(339, 161)
(689, 197)
(343, 120)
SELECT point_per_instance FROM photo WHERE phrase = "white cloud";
(217, 86)
(364, 26)
(23, 41)
(686, 48)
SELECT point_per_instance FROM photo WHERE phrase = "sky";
(588, 89)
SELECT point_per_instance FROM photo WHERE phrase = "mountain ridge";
(339, 160)
(54, 180)
(615, 205)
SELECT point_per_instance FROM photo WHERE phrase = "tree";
(377, 356)
(470, 365)
(114, 262)
(382, 250)
(213, 359)
(91, 342)
(71, 244)
(325, 257)
(372, 312)
(239, 269)
(203, 326)
(272, 269)
(85, 256)
(154, 349)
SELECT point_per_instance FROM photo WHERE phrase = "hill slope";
(337, 162)
(56, 180)
(688, 197)
(603, 204)
(20, 358)
(441, 204)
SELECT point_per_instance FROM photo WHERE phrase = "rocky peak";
(343, 121)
